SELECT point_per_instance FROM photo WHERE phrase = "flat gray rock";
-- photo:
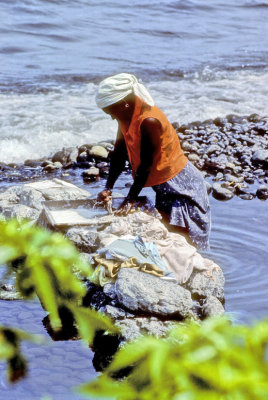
(143, 292)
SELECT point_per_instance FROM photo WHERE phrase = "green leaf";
(106, 387)
(90, 321)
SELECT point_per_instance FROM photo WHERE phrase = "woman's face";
(114, 111)
(121, 111)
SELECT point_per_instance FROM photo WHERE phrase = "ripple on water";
(239, 245)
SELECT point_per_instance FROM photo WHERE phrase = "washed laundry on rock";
(129, 253)
(177, 254)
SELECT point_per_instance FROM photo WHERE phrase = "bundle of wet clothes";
(129, 253)
(141, 241)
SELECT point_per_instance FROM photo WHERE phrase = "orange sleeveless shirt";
(169, 159)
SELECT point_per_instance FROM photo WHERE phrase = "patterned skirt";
(184, 199)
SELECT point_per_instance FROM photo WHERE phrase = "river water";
(199, 59)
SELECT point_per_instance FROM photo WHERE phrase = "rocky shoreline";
(231, 152)
(138, 302)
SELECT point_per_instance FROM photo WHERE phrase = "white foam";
(36, 125)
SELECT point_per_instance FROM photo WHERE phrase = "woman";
(149, 141)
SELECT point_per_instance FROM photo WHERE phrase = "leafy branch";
(49, 266)
(212, 360)
(10, 339)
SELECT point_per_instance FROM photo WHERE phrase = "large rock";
(57, 189)
(25, 201)
(19, 211)
(141, 292)
(203, 284)
(262, 192)
(23, 195)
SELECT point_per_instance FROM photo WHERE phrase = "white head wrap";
(117, 87)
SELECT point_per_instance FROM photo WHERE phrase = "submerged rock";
(92, 173)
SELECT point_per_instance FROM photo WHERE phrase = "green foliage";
(10, 351)
(47, 264)
(212, 360)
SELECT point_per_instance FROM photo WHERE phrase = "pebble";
(221, 193)
(234, 146)
(262, 192)
(246, 196)
(92, 172)
(193, 157)
(99, 152)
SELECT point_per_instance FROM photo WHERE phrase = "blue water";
(199, 59)
(84, 40)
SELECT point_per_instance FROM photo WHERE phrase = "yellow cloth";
(107, 270)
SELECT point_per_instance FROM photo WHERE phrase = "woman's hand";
(125, 208)
(104, 196)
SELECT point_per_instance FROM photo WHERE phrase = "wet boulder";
(51, 167)
(83, 157)
(221, 193)
(99, 152)
(262, 192)
(260, 157)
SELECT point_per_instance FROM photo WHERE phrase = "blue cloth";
(144, 252)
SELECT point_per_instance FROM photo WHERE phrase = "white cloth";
(179, 256)
(115, 88)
